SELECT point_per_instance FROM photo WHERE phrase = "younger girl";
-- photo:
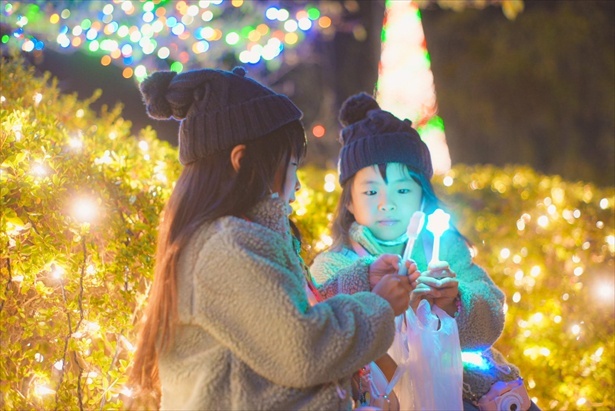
(385, 171)
(229, 325)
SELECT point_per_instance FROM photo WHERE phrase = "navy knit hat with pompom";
(217, 109)
(373, 136)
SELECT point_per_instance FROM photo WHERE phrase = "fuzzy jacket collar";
(272, 213)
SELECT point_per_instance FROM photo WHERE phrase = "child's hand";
(395, 289)
(385, 264)
(443, 285)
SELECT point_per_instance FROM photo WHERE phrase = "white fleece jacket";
(480, 321)
(248, 338)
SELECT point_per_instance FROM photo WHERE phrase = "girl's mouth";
(388, 222)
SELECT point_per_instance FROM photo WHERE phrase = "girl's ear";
(236, 156)
(350, 207)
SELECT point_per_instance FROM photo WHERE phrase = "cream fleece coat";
(480, 321)
(248, 338)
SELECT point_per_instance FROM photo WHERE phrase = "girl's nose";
(387, 205)
(298, 185)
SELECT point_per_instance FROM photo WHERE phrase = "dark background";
(538, 90)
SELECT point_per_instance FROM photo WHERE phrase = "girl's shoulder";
(338, 254)
(326, 264)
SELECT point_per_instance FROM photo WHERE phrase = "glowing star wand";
(437, 223)
(414, 228)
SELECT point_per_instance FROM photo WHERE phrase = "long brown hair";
(206, 189)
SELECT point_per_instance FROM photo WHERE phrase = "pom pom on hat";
(356, 107)
(239, 71)
(373, 136)
(154, 90)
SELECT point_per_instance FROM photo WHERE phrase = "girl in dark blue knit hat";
(385, 171)
(229, 325)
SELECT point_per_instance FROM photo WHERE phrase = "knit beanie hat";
(373, 136)
(217, 109)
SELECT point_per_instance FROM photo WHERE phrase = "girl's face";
(385, 208)
(287, 185)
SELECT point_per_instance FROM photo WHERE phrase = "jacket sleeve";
(334, 273)
(250, 295)
(481, 319)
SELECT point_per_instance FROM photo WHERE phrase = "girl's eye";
(403, 190)
(370, 193)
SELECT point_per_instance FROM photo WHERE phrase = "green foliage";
(80, 205)
(549, 244)
(70, 290)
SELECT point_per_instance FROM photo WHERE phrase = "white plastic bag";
(430, 358)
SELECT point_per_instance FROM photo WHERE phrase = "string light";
(159, 31)
(85, 210)
(42, 390)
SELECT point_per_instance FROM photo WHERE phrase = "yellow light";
(41, 390)
(126, 391)
(448, 181)
(551, 209)
(543, 221)
(516, 297)
(17, 130)
(291, 38)
(79, 113)
(537, 317)
(127, 344)
(37, 98)
(578, 271)
(59, 365)
(576, 329)
(84, 210)
(605, 291)
(505, 253)
(557, 319)
(143, 145)
(520, 225)
(604, 203)
(39, 170)
(58, 272)
(75, 143)
(581, 401)
(329, 187)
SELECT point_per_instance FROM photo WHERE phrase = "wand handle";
(435, 255)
